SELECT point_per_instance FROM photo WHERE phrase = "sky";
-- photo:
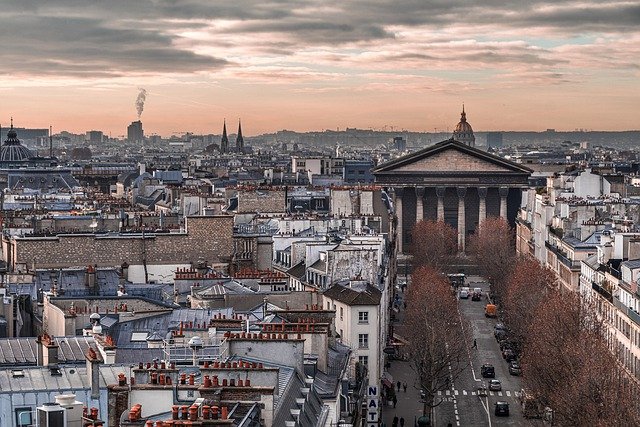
(305, 65)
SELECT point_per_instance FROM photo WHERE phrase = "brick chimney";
(47, 351)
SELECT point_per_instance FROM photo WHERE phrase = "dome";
(12, 150)
(463, 131)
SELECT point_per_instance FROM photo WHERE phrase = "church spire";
(239, 139)
(224, 143)
(463, 116)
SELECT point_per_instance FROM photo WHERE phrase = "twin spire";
(224, 142)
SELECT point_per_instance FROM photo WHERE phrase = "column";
(440, 194)
(482, 211)
(462, 191)
(398, 211)
(504, 192)
(419, 204)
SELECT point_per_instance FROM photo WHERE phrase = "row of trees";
(566, 362)
(438, 337)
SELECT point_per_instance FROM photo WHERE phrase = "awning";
(387, 383)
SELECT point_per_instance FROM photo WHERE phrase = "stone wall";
(261, 200)
(206, 238)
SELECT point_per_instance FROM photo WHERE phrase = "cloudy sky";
(320, 64)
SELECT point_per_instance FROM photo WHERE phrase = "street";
(462, 405)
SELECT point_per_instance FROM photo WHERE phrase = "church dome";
(12, 150)
(463, 131)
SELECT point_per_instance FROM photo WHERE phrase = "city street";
(462, 405)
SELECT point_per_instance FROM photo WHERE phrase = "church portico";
(454, 182)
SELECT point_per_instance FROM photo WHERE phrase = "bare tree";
(569, 367)
(438, 338)
(526, 288)
(493, 248)
(434, 244)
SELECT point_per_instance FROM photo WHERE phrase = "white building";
(360, 322)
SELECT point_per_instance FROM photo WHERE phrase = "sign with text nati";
(373, 399)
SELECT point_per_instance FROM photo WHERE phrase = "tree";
(493, 248)
(438, 338)
(568, 366)
(434, 244)
(526, 289)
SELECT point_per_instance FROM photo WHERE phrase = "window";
(341, 312)
(328, 305)
(364, 360)
(24, 417)
(363, 317)
(363, 340)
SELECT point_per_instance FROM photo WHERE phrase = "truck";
(491, 310)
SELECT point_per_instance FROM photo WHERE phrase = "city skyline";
(315, 65)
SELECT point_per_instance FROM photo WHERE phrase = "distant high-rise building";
(224, 142)
(135, 132)
(494, 139)
(239, 139)
(94, 136)
(399, 143)
(463, 131)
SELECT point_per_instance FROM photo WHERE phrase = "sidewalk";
(409, 405)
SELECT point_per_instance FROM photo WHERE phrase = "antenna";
(51, 141)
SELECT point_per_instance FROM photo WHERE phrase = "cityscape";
(311, 214)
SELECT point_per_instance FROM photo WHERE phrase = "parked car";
(477, 296)
(509, 355)
(464, 294)
(495, 385)
(501, 409)
(500, 327)
(514, 368)
(487, 371)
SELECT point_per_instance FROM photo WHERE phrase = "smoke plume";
(142, 97)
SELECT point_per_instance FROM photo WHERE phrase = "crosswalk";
(505, 393)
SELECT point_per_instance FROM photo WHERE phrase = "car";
(464, 294)
(487, 371)
(495, 385)
(509, 355)
(515, 369)
(476, 296)
(501, 409)
(500, 327)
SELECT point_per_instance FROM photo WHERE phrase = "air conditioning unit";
(51, 415)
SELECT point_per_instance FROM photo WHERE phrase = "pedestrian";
(399, 384)
(404, 386)
(401, 421)
(405, 305)
(395, 401)
(395, 422)
(475, 344)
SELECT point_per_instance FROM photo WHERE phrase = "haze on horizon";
(320, 64)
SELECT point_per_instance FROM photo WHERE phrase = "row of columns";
(440, 191)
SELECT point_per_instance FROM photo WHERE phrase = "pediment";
(450, 156)
(451, 160)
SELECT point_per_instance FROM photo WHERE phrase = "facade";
(454, 182)
(358, 171)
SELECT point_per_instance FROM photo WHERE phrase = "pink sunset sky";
(320, 64)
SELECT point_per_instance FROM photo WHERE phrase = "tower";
(463, 131)
(224, 142)
(239, 139)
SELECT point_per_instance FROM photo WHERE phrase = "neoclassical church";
(454, 182)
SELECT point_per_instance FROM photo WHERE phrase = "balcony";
(635, 317)
(602, 291)
(562, 257)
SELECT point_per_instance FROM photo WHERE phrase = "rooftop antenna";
(51, 141)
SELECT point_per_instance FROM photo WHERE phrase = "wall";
(267, 200)
(206, 238)
(289, 352)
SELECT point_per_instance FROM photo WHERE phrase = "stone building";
(454, 182)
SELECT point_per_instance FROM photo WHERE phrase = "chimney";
(47, 351)
(93, 372)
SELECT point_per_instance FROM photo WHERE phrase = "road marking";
(508, 393)
(464, 392)
(473, 393)
(439, 393)
(455, 392)
(448, 392)
(455, 412)
(499, 393)
(490, 393)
